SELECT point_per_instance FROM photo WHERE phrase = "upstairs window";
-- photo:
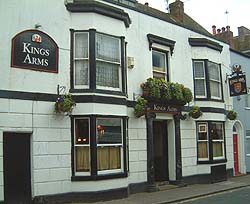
(159, 60)
(81, 60)
(108, 61)
(207, 80)
(97, 62)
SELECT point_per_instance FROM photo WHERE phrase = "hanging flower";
(232, 115)
(64, 104)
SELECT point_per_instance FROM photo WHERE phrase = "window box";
(158, 90)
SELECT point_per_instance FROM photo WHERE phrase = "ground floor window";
(210, 141)
(99, 146)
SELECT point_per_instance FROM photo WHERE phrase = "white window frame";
(111, 62)
(165, 63)
(75, 59)
(200, 78)
(220, 140)
(112, 171)
(247, 139)
(81, 145)
(207, 140)
(217, 81)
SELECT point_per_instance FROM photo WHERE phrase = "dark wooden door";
(236, 154)
(17, 173)
(160, 150)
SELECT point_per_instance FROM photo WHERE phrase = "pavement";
(174, 194)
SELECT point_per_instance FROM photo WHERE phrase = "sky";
(207, 13)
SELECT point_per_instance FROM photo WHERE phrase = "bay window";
(207, 80)
(97, 62)
(210, 141)
(99, 145)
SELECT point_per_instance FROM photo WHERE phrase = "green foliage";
(232, 115)
(195, 112)
(169, 92)
(64, 104)
(140, 106)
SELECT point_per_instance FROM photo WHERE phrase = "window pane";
(82, 159)
(217, 131)
(159, 75)
(81, 45)
(217, 149)
(200, 87)
(247, 145)
(199, 70)
(109, 131)
(107, 74)
(81, 72)
(81, 131)
(108, 158)
(215, 89)
(213, 70)
(107, 48)
(159, 61)
(203, 150)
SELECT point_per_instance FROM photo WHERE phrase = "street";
(241, 195)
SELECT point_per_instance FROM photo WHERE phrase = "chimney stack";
(214, 29)
(177, 10)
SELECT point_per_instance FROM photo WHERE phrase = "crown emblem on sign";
(36, 38)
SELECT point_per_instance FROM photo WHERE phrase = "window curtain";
(199, 75)
(217, 149)
(202, 150)
(214, 77)
(108, 158)
(82, 159)
(81, 59)
(107, 61)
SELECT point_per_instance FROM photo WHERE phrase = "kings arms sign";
(237, 82)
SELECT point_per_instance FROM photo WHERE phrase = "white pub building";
(103, 54)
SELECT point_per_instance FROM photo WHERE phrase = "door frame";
(238, 128)
(165, 147)
(21, 134)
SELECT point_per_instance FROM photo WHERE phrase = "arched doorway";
(238, 149)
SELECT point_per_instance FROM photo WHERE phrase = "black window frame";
(93, 149)
(207, 80)
(92, 65)
(210, 144)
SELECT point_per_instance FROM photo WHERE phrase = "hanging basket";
(195, 112)
(64, 104)
(232, 115)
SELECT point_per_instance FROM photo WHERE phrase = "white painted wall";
(51, 156)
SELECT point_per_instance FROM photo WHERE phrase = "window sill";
(102, 91)
(212, 162)
(209, 99)
(99, 177)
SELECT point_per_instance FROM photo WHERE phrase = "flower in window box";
(195, 112)
(232, 115)
(64, 104)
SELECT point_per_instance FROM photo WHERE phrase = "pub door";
(160, 139)
(17, 173)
